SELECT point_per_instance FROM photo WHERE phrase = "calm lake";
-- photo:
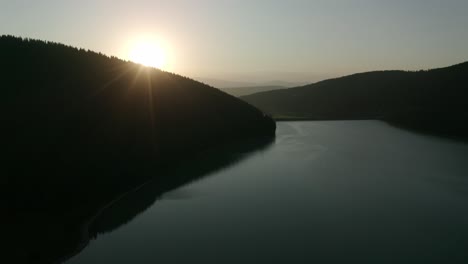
(334, 191)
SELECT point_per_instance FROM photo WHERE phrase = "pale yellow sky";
(257, 40)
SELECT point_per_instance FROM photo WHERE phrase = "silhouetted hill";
(80, 128)
(433, 100)
(242, 91)
(81, 119)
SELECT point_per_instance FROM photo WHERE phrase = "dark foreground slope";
(79, 129)
(66, 112)
(433, 100)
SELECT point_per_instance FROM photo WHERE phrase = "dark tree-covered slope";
(74, 119)
(434, 100)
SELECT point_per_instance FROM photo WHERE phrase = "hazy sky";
(247, 40)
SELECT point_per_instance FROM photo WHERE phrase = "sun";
(149, 53)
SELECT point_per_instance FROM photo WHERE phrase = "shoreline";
(84, 230)
(85, 238)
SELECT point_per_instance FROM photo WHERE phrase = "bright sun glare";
(149, 54)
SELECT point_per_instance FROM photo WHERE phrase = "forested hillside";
(73, 119)
(433, 100)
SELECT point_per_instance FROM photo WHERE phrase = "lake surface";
(336, 191)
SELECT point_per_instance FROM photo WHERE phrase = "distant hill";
(219, 83)
(433, 100)
(222, 84)
(285, 84)
(242, 91)
(80, 119)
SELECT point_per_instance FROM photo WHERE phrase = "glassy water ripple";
(336, 191)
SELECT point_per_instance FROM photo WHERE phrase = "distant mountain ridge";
(428, 99)
(243, 91)
(227, 84)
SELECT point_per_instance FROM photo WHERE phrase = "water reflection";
(325, 192)
(132, 204)
(33, 236)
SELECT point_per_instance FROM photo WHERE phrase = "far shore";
(452, 133)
